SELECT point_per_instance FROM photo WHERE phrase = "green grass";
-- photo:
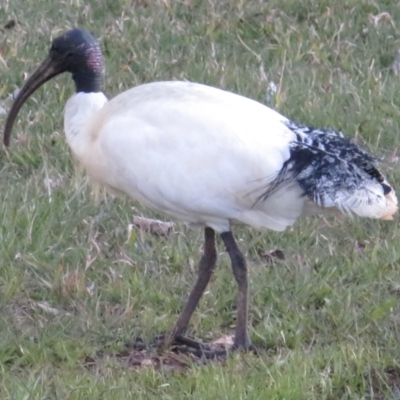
(329, 313)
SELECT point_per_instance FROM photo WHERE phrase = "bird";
(207, 157)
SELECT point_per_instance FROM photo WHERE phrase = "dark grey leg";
(206, 268)
(239, 269)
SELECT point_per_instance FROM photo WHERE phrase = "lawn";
(78, 282)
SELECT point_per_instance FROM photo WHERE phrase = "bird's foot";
(182, 344)
(185, 345)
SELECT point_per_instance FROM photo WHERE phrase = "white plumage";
(195, 153)
(200, 154)
(207, 157)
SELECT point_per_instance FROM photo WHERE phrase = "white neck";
(79, 112)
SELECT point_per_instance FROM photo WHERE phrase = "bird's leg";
(206, 268)
(239, 269)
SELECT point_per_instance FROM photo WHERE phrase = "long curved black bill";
(47, 70)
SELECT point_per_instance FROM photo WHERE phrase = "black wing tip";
(323, 162)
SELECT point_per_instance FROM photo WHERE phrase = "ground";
(80, 283)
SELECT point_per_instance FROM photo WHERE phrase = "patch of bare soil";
(386, 386)
(178, 357)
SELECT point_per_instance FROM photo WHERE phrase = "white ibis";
(207, 157)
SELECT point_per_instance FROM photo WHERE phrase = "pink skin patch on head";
(94, 58)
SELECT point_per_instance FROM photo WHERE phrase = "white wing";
(199, 154)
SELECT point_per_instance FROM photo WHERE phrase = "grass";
(76, 283)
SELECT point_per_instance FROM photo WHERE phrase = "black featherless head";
(75, 51)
